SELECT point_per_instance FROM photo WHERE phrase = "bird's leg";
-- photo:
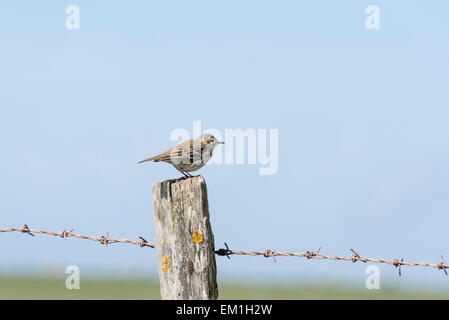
(190, 176)
(185, 174)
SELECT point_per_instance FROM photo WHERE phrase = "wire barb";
(105, 240)
(356, 257)
(270, 253)
(25, 229)
(442, 265)
(142, 242)
(64, 234)
(224, 252)
(398, 264)
(311, 254)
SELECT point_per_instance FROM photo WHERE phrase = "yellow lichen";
(165, 263)
(197, 237)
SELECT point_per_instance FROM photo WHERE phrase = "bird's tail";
(149, 159)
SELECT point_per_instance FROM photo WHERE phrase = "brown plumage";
(189, 155)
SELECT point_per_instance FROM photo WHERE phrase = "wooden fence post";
(184, 240)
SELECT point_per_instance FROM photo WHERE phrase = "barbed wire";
(227, 252)
(66, 234)
(317, 255)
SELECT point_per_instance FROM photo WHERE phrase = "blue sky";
(362, 118)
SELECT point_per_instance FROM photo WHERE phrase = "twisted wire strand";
(227, 252)
(66, 234)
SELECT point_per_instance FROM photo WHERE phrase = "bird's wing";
(179, 153)
(186, 152)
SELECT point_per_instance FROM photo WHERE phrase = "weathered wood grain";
(184, 240)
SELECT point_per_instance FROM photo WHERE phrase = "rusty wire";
(317, 255)
(65, 234)
(227, 252)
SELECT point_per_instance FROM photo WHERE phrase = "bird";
(189, 155)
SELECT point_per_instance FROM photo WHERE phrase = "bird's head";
(209, 140)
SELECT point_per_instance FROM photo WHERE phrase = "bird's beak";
(220, 142)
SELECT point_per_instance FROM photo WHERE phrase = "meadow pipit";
(190, 155)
